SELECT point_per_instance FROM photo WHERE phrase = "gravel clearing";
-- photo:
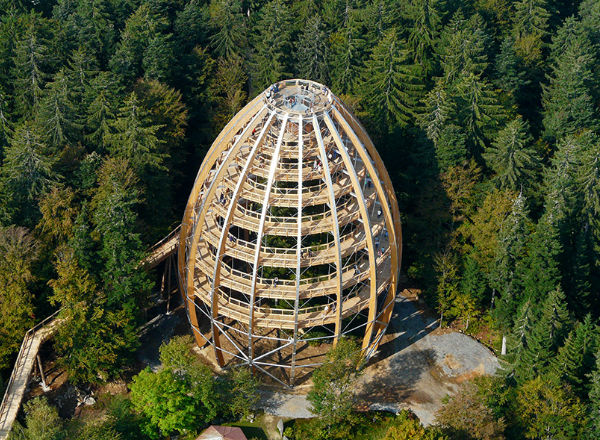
(415, 368)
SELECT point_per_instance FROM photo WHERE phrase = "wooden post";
(45, 387)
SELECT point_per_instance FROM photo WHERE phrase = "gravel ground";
(415, 368)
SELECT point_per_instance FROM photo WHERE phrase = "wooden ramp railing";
(15, 390)
(163, 249)
(19, 379)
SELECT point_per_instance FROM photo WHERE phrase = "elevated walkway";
(163, 249)
(15, 389)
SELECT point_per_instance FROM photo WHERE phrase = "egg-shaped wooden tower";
(291, 236)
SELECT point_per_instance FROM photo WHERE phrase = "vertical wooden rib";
(259, 236)
(336, 229)
(298, 247)
(362, 206)
(208, 198)
(391, 214)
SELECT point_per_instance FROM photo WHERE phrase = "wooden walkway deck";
(43, 331)
(19, 378)
(163, 249)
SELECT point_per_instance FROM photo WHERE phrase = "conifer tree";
(439, 108)
(530, 26)
(479, 110)
(25, 175)
(102, 95)
(348, 53)
(229, 29)
(543, 257)
(473, 282)
(451, 147)
(521, 332)
(510, 75)
(81, 69)
(381, 16)
(568, 98)
(158, 57)
(507, 274)
(272, 46)
(58, 116)
(313, 52)
(141, 27)
(191, 25)
(94, 340)
(392, 86)
(425, 18)
(115, 220)
(594, 401)
(462, 47)
(31, 54)
(5, 125)
(575, 359)
(134, 139)
(19, 251)
(510, 157)
(547, 334)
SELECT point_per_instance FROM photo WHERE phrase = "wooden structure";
(291, 234)
(222, 433)
(24, 365)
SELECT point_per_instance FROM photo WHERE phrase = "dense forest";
(484, 111)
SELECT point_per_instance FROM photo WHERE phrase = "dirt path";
(415, 368)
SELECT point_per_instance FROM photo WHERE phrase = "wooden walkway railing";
(35, 336)
(163, 249)
(15, 389)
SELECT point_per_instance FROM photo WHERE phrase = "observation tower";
(291, 236)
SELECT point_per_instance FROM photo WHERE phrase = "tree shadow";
(408, 325)
(399, 381)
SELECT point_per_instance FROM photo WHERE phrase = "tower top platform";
(298, 97)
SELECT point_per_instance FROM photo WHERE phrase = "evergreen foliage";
(485, 114)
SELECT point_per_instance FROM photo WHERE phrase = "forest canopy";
(485, 114)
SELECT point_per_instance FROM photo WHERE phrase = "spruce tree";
(25, 175)
(392, 86)
(510, 75)
(5, 125)
(272, 45)
(547, 334)
(30, 58)
(479, 110)
(313, 52)
(462, 47)
(521, 332)
(508, 271)
(141, 27)
(451, 147)
(568, 97)
(19, 252)
(229, 29)
(575, 359)
(348, 52)
(594, 401)
(81, 69)
(530, 27)
(159, 57)
(134, 138)
(543, 258)
(425, 17)
(439, 107)
(473, 282)
(510, 157)
(58, 116)
(115, 221)
(102, 95)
